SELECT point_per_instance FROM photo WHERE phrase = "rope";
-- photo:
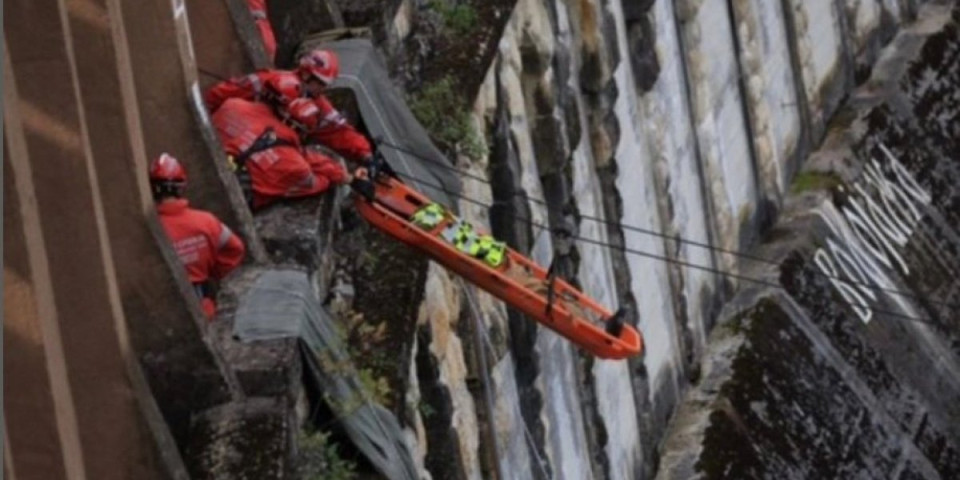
(212, 75)
(714, 270)
(485, 371)
(634, 228)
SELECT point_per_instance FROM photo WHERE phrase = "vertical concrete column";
(722, 127)
(770, 92)
(790, 26)
(172, 113)
(40, 419)
(245, 29)
(222, 47)
(292, 20)
(816, 39)
(106, 437)
(167, 334)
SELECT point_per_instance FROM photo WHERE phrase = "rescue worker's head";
(167, 177)
(318, 69)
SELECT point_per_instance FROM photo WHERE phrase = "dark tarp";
(388, 119)
(282, 304)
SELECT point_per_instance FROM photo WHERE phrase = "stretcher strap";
(267, 140)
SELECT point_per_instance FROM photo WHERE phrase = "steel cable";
(676, 238)
(653, 256)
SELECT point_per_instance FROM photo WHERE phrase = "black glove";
(379, 165)
(373, 166)
(365, 188)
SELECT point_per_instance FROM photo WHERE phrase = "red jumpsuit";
(330, 129)
(282, 87)
(258, 8)
(207, 248)
(283, 170)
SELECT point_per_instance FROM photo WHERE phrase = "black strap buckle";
(203, 290)
(379, 165)
(551, 290)
(267, 140)
(614, 324)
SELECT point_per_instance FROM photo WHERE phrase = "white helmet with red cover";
(167, 176)
(320, 64)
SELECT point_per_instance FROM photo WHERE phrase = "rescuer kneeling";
(208, 249)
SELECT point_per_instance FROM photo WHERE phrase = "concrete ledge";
(252, 439)
(264, 368)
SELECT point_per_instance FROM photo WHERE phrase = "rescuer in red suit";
(269, 151)
(258, 8)
(317, 70)
(206, 247)
(282, 88)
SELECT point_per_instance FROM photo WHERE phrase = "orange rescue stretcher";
(515, 279)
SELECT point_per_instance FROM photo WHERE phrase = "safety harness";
(265, 141)
(203, 290)
(552, 273)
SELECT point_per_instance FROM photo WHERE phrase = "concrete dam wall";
(770, 188)
(851, 370)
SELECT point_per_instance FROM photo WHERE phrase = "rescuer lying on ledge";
(265, 120)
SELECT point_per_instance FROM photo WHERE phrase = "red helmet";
(167, 177)
(166, 168)
(320, 64)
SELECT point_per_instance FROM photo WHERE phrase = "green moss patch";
(807, 181)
